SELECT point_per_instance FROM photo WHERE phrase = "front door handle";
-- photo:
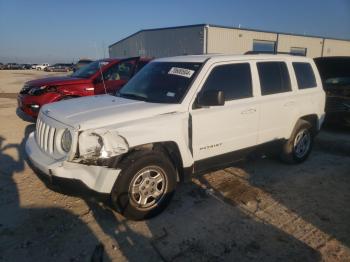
(248, 111)
(290, 103)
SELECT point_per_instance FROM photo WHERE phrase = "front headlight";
(25, 87)
(101, 144)
(66, 140)
(36, 91)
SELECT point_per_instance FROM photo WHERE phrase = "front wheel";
(299, 145)
(145, 186)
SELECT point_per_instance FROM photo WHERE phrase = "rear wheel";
(145, 186)
(298, 147)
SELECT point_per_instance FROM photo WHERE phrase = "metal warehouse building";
(204, 38)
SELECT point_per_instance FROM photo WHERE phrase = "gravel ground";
(259, 210)
(11, 81)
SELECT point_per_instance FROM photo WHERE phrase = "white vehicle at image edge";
(41, 66)
(179, 116)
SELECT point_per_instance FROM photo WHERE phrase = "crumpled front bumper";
(97, 178)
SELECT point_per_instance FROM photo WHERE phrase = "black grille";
(335, 104)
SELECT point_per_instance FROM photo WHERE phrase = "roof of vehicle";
(124, 58)
(85, 60)
(332, 58)
(225, 57)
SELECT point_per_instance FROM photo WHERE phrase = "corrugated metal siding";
(161, 43)
(192, 40)
(234, 41)
(336, 48)
(313, 44)
(131, 46)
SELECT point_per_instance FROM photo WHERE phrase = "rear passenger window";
(305, 75)
(235, 80)
(274, 77)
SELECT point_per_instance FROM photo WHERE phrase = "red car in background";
(99, 77)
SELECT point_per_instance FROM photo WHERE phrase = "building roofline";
(228, 27)
(158, 29)
(278, 32)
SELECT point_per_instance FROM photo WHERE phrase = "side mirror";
(211, 98)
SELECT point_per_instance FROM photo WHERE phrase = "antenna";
(99, 66)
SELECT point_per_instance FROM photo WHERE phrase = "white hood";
(98, 111)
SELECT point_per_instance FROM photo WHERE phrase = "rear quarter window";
(305, 75)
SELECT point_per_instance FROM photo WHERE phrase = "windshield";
(161, 82)
(90, 69)
(338, 81)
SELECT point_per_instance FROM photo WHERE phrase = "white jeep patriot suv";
(179, 116)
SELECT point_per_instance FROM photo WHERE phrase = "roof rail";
(271, 53)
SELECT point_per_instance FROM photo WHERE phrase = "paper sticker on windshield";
(181, 72)
(103, 63)
(171, 94)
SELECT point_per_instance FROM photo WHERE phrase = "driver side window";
(119, 71)
(234, 80)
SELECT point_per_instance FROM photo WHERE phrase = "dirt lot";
(11, 81)
(258, 210)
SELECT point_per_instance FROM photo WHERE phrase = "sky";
(37, 31)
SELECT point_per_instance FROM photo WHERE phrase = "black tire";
(290, 153)
(133, 166)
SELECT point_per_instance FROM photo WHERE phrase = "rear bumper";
(97, 178)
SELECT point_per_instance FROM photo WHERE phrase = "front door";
(115, 77)
(218, 130)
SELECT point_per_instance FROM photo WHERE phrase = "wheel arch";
(171, 149)
(313, 120)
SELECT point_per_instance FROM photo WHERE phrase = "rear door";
(311, 97)
(277, 101)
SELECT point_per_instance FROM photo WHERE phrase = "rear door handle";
(290, 103)
(248, 111)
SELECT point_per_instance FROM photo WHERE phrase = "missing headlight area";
(96, 144)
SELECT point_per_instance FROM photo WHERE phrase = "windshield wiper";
(131, 96)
